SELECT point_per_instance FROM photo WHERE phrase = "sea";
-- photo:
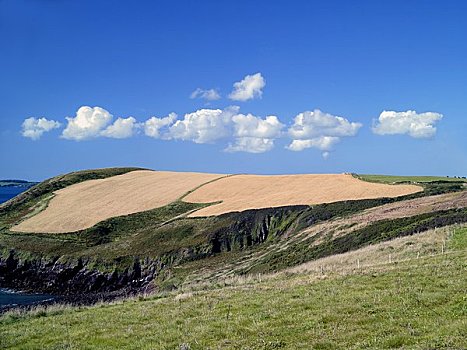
(8, 192)
(8, 297)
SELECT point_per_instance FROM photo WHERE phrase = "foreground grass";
(415, 304)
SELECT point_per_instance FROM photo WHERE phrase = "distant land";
(11, 188)
(17, 183)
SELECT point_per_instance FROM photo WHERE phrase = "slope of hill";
(406, 293)
(84, 204)
(163, 248)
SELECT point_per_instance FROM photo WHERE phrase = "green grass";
(416, 304)
(458, 240)
(414, 179)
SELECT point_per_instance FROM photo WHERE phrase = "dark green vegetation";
(414, 304)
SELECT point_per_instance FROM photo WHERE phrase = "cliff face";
(52, 275)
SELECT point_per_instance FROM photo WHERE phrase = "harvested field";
(84, 204)
(243, 192)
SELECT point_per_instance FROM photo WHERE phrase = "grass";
(458, 239)
(411, 304)
(414, 179)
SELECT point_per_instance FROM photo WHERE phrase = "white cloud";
(323, 143)
(315, 123)
(249, 133)
(154, 125)
(250, 125)
(35, 127)
(208, 95)
(251, 145)
(409, 122)
(250, 87)
(204, 125)
(122, 128)
(253, 134)
(316, 129)
(88, 123)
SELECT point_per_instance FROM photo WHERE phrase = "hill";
(82, 205)
(405, 293)
(384, 268)
(163, 248)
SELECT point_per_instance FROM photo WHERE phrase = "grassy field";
(413, 179)
(411, 304)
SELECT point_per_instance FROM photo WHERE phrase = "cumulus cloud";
(250, 87)
(154, 125)
(204, 125)
(240, 132)
(315, 123)
(253, 134)
(88, 123)
(316, 129)
(122, 128)
(250, 125)
(251, 145)
(33, 128)
(410, 122)
(323, 143)
(208, 95)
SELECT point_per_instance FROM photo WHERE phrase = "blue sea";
(11, 298)
(7, 297)
(7, 192)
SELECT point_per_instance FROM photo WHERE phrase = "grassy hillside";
(166, 249)
(412, 179)
(376, 273)
(409, 302)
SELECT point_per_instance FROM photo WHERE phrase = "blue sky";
(324, 59)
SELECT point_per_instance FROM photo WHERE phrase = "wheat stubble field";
(83, 205)
(243, 192)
